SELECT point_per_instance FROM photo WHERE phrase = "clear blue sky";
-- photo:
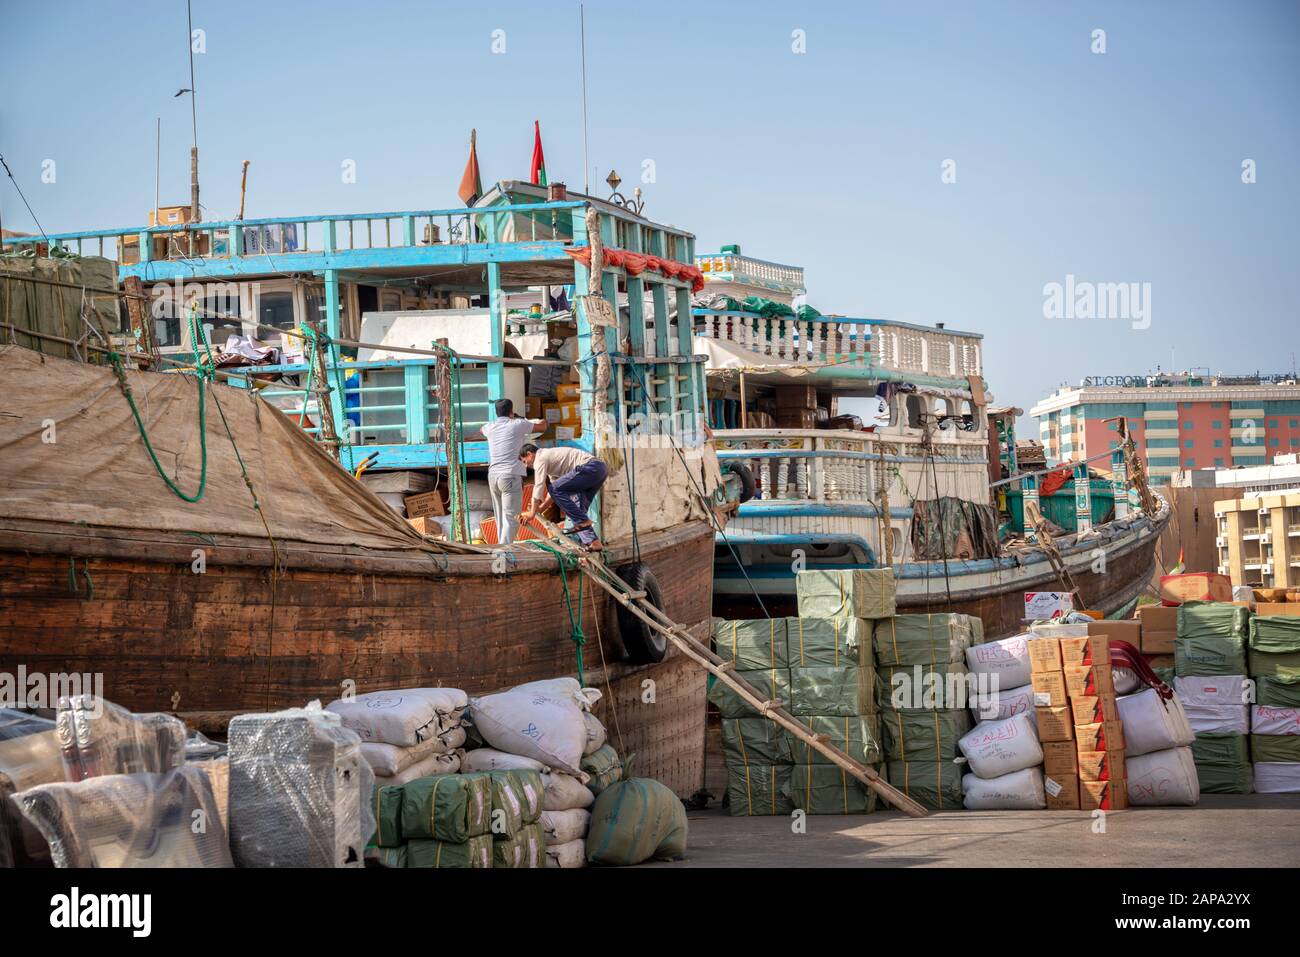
(1118, 167)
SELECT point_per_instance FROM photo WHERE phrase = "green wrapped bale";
(771, 684)
(858, 736)
(603, 768)
(1284, 667)
(1213, 619)
(1223, 763)
(826, 690)
(758, 789)
(387, 856)
(1209, 654)
(828, 789)
(516, 801)
(755, 741)
(923, 735)
(1274, 691)
(474, 853)
(976, 630)
(388, 816)
(1275, 634)
(935, 785)
(923, 639)
(845, 593)
(1166, 675)
(836, 642)
(451, 808)
(752, 645)
(944, 687)
(634, 821)
(526, 849)
(1275, 748)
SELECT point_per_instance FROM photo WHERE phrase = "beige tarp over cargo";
(70, 451)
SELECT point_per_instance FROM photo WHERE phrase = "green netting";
(923, 639)
(829, 641)
(751, 645)
(771, 683)
(923, 735)
(1271, 748)
(935, 785)
(858, 737)
(758, 789)
(476, 852)
(1262, 664)
(1275, 634)
(826, 690)
(845, 593)
(755, 741)
(827, 789)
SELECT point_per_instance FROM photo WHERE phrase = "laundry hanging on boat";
(637, 263)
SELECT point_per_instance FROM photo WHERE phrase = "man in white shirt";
(505, 437)
(571, 478)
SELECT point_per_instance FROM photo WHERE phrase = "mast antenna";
(582, 33)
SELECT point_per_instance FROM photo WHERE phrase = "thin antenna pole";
(582, 31)
(157, 169)
(194, 118)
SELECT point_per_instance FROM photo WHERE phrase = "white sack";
(1008, 659)
(1018, 791)
(995, 748)
(534, 723)
(560, 792)
(1215, 689)
(561, 827)
(490, 759)
(389, 759)
(448, 763)
(1152, 723)
(573, 854)
(1276, 777)
(997, 705)
(595, 733)
(1126, 681)
(1218, 718)
(1162, 778)
(404, 717)
(1265, 719)
(564, 688)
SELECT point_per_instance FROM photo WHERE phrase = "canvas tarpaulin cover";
(52, 310)
(770, 683)
(109, 480)
(950, 527)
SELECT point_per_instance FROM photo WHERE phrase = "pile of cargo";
(1273, 660)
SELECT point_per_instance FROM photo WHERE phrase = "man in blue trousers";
(571, 478)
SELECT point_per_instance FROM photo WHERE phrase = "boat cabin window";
(276, 309)
(219, 314)
(166, 323)
(915, 411)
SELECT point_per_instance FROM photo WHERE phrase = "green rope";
(576, 635)
(459, 476)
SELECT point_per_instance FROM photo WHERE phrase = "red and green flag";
(537, 175)
(471, 183)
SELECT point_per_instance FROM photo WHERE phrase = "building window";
(1187, 425)
(1294, 423)
(1218, 463)
(1113, 426)
(1218, 443)
(1272, 423)
(1187, 444)
(1272, 441)
(1189, 463)
(1216, 424)
(1295, 443)
(1216, 405)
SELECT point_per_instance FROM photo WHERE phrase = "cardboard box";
(1060, 759)
(1100, 736)
(1103, 795)
(1101, 765)
(1062, 793)
(1093, 650)
(568, 392)
(169, 215)
(533, 407)
(1092, 710)
(1054, 724)
(1087, 681)
(427, 526)
(1159, 629)
(426, 503)
(796, 419)
(551, 412)
(570, 413)
(1128, 629)
(1195, 586)
(1051, 629)
(1278, 608)
(1047, 604)
(793, 397)
(1049, 689)
(1044, 654)
(567, 433)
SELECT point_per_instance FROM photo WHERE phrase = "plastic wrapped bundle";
(1152, 723)
(835, 642)
(98, 737)
(388, 815)
(1223, 763)
(998, 748)
(1213, 619)
(131, 820)
(922, 639)
(526, 849)
(1281, 666)
(387, 856)
(845, 593)
(1002, 703)
(1162, 778)
(405, 717)
(1278, 692)
(829, 789)
(1211, 639)
(770, 683)
(473, 853)
(752, 645)
(516, 802)
(755, 739)
(300, 792)
(1215, 705)
(602, 768)
(1275, 634)
(1021, 790)
(923, 735)
(758, 789)
(858, 736)
(29, 755)
(447, 807)
(1273, 777)
(845, 691)
(942, 687)
(935, 785)
(1006, 660)
(20, 724)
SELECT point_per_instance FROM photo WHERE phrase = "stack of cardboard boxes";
(1078, 723)
(563, 415)
(796, 407)
(1158, 629)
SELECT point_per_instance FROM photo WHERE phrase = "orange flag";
(471, 184)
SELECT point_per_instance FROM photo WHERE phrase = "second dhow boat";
(868, 442)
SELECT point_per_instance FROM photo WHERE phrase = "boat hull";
(239, 637)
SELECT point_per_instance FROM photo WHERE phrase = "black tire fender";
(644, 645)
(748, 487)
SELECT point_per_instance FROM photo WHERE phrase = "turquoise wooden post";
(338, 399)
(415, 379)
(330, 239)
(1029, 494)
(1119, 474)
(408, 230)
(146, 248)
(692, 395)
(236, 240)
(663, 400)
(496, 370)
(586, 370)
(1082, 499)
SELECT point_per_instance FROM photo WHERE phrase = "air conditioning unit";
(1223, 569)
(1266, 569)
(1263, 511)
(1221, 541)
(1265, 537)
